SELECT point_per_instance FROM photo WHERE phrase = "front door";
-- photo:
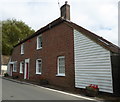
(26, 70)
(11, 69)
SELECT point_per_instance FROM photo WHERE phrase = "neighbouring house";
(68, 56)
(4, 64)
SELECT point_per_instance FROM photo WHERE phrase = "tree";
(13, 32)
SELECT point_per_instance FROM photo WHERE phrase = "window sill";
(39, 48)
(22, 53)
(60, 75)
(21, 72)
(39, 73)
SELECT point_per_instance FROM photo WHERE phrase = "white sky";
(98, 16)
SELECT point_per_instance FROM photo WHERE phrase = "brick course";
(57, 41)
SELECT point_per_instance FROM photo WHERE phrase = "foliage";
(6, 75)
(15, 77)
(13, 32)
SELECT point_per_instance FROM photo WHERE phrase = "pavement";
(18, 90)
(0, 89)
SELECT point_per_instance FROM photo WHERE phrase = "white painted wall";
(3, 69)
(92, 64)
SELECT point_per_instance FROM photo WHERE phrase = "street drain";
(11, 96)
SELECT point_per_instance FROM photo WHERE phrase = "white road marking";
(78, 96)
(70, 94)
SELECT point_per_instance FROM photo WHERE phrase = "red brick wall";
(56, 42)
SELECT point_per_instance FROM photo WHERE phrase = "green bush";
(6, 75)
(15, 77)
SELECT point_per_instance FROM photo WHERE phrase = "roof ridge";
(42, 29)
(96, 38)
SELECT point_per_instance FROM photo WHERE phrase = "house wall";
(115, 58)
(3, 69)
(92, 64)
(56, 42)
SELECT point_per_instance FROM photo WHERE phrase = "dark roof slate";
(101, 41)
(43, 29)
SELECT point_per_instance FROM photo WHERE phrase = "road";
(18, 91)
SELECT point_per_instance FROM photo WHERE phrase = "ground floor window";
(21, 67)
(61, 66)
(38, 66)
(15, 66)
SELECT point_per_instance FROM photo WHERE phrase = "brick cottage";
(68, 56)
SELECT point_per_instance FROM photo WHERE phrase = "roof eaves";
(101, 41)
(43, 29)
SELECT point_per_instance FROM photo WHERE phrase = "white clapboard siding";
(92, 64)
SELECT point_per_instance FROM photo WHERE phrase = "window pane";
(15, 66)
(38, 66)
(40, 42)
(61, 69)
(22, 49)
(21, 67)
(61, 65)
(61, 61)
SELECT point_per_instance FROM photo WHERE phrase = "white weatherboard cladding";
(92, 64)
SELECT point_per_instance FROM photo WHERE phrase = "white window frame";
(21, 66)
(37, 66)
(58, 67)
(39, 42)
(22, 49)
(15, 67)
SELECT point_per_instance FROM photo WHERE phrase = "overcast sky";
(98, 16)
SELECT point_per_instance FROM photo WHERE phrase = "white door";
(26, 70)
(11, 69)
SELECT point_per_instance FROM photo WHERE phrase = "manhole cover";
(11, 96)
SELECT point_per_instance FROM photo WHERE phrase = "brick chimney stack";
(65, 11)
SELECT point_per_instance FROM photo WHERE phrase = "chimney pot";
(65, 11)
(66, 2)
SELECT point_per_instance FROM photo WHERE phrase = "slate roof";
(101, 41)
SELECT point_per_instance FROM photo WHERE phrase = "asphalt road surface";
(18, 91)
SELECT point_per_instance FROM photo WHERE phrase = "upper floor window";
(21, 67)
(39, 42)
(15, 66)
(38, 66)
(22, 48)
(61, 66)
